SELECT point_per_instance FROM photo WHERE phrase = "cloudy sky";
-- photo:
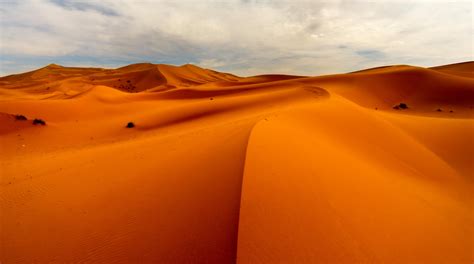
(246, 37)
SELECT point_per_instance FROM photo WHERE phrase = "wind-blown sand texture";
(226, 169)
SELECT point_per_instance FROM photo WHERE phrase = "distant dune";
(178, 164)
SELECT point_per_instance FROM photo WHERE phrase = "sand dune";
(464, 69)
(226, 169)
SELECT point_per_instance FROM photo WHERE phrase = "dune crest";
(218, 168)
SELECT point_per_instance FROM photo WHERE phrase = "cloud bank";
(244, 37)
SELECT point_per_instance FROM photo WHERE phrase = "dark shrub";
(130, 125)
(39, 122)
(401, 106)
(20, 118)
(439, 110)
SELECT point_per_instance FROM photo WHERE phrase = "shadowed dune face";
(225, 169)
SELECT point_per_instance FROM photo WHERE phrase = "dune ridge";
(220, 168)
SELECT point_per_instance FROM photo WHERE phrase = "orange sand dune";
(226, 169)
(464, 69)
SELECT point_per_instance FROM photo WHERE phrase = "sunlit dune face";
(178, 164)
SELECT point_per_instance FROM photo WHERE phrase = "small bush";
(20, 118)
(130, 125)
(439, 110)
(401, 106)
(37, 121)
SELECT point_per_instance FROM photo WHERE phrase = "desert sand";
(226, 169)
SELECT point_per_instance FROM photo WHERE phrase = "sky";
(245, 37)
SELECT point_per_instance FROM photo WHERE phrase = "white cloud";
(244, 37)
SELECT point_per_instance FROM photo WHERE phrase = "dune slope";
(225, 169)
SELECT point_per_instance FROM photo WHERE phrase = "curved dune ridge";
(371, 166)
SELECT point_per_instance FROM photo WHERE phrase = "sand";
(226, 169)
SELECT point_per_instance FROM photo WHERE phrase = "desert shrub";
(20, 118)
(401, 106)
(130, 125)
(439, 110)
(38, 121)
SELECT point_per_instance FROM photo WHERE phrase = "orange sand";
(226, 169)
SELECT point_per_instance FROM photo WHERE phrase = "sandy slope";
(226, 169)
